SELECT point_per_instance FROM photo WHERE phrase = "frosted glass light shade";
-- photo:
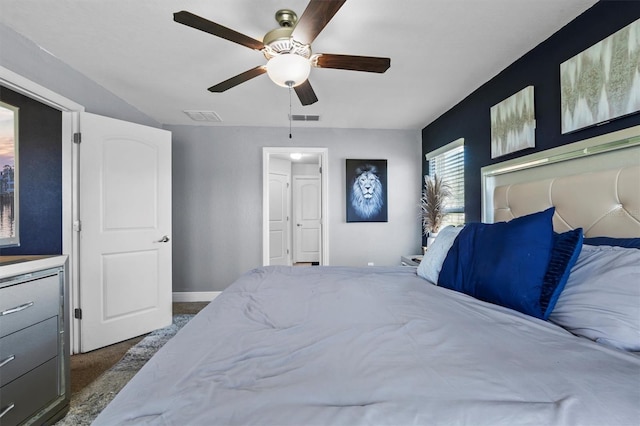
(288, 67)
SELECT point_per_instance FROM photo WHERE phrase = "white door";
(279, 253)
(125, 230)
(307, 218)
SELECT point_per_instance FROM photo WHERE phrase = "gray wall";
(218, 179)
(25, 58)
(217, 199)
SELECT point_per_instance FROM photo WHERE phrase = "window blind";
(449, 165)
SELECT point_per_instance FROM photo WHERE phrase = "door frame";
(323, 153)
(70, 164)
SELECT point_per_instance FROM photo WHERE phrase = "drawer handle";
(7, 360)
(6, 410)
(16, 309)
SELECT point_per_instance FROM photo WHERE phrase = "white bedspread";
(373, 346)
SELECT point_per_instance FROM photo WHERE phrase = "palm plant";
(433, 201)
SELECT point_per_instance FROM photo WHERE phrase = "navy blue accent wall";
(470, 119)
(40, 168)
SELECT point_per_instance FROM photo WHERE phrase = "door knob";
(164, 239)
(299, 224)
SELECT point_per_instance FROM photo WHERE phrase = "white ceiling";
(440, 50)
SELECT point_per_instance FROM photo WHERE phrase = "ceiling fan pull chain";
(290, 84)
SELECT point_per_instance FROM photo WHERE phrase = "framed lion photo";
(366, 190)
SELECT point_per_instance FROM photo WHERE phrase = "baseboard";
(195, 296)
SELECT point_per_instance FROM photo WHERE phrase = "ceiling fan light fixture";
(288, 69)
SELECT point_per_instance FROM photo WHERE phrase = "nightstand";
(411, 260)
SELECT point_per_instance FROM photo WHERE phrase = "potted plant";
(433, 201)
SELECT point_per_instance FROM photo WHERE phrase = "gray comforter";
(373, 346)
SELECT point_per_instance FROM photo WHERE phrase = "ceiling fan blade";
(240, 78)
(305, 93)
(314, 18)
(199, 23)
(353, 63)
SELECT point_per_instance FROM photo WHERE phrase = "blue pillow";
(564, 254)
(616, 242)
(502, 263)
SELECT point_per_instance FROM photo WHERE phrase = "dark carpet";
(89, 402)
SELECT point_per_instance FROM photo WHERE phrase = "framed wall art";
(9, 205)
(366, 189)
(513, 124)
(602, 82)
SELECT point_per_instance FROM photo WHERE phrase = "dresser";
(34, 340)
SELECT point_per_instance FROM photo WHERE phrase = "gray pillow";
(601, 300)
(431, 263)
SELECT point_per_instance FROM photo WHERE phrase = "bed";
(389, 346)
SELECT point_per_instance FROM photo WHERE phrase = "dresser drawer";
(29, 394)
(28, 348)
(27, 303)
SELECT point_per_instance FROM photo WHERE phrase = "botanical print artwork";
(8, 118)
(602, 82)
(513, 123)
(366, 190)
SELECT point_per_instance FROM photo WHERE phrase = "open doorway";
(295, 208)
(70, 155)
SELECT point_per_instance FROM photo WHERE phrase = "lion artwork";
(366, 194)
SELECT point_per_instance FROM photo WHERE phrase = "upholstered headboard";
(602, 203)
(593, 184)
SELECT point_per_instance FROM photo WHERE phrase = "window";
(448, 163)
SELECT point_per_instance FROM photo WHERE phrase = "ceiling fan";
(288, 48)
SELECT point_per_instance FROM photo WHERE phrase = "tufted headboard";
(602, 203)
(593, 184)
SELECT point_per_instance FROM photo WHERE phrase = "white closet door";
(307, 217)
(279, 253)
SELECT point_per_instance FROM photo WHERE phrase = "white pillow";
(432, 261)
(601, 300)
